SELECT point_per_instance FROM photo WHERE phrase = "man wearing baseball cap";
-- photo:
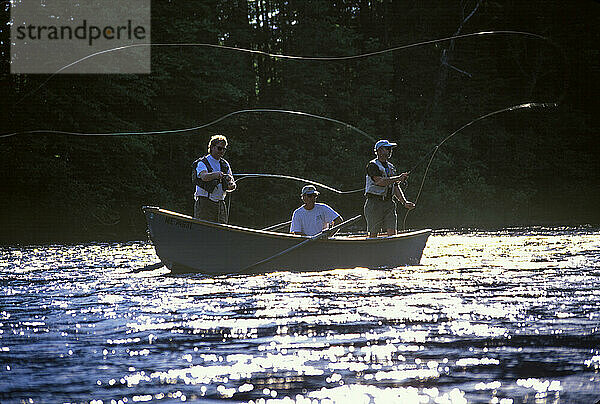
(381, 188)
(312, 218)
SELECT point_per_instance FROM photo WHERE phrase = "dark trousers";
(205, 209)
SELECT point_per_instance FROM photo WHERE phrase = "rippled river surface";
(501, 317)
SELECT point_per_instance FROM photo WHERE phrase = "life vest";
(371, 187)
(209, 186)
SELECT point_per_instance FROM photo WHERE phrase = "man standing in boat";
(213, 178)
(380, 190)
(312, 218)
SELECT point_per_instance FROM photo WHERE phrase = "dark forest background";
(526, 167)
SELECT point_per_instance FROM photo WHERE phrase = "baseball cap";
(309, 190)
(384, 143)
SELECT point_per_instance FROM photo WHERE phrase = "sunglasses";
(311, 195)
(221, 148)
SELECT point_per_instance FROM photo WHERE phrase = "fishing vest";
(371, 187)
(209, 186)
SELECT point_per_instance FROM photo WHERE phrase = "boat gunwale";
(266, 233)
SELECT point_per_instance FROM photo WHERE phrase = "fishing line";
(183, 130)
(288, 177)
(291, 57)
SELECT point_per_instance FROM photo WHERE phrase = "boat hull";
(185, 244)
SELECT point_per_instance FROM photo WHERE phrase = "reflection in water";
(496, 317)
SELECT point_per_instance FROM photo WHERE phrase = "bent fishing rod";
(433, 151)
(513, 108)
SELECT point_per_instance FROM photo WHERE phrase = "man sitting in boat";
(381, 188)
(312, 218)
(213, 178)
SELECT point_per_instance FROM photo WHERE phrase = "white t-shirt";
(218, 194)
(311, 222)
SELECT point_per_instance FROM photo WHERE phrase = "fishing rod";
(433, 152)
(513, 108)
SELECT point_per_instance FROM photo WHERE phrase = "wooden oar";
(324, 233)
